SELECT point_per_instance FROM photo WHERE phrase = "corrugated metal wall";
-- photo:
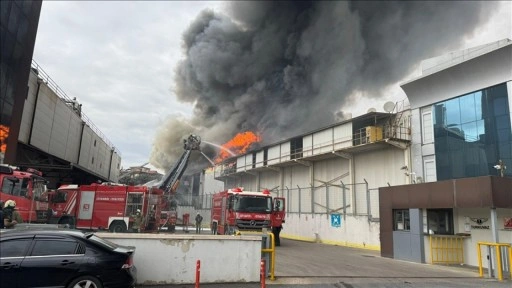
(55, 128)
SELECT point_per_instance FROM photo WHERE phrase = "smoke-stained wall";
(286, 68)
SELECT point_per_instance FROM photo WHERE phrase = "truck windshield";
(60, 197)
(253, 204)
(38, 189)
(15, 188)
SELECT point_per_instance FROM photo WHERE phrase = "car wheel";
(118, 227)
(85, 282)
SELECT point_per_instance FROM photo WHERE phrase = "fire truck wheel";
(85, 281)
(118, 227)
(67, 221)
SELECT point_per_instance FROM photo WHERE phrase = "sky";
(150, 73)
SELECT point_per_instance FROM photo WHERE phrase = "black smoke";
(286, 68)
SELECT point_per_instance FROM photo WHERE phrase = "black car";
(63, 258)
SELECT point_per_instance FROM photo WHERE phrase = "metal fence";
(347, 199)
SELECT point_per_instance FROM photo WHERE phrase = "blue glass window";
(472, 132)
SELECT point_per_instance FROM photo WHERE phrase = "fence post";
(300, 201)
(287, 199)
(343, 189)
(368, 208)
(312, 200)
(198, 272)
(327, 201)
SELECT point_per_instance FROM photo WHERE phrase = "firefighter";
(137, 221)
(11, 216)
(199, 219)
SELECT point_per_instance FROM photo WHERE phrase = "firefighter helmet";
(10, 203)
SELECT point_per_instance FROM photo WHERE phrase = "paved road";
(302, 264)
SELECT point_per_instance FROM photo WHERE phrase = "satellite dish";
(371, 110)
(389, 106)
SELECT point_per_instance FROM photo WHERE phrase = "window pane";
(478, 104)
(452, 112)
(401, 221)
(467, 105)
(440, 221)
(14, 248)
(470, 132)
(54, 247)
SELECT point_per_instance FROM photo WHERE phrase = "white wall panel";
(323, 141)
(43, 119)
(28, 109)
(456, 81)
(85, 148)
(102, 158)
(269, 180)
(332, 171)
(115, 167)
(380, 167)
(73, 140)
(285, 151)
(343, 136)
(240, 163)
(274, 154)
(260, 158)
(307, 145)
(60, 130)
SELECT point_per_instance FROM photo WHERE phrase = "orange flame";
(4, 134)
(238, 145)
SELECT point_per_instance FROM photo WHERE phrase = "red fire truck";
(28, 189)
(238, 210)
(112, 206)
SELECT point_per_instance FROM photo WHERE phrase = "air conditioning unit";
(373, 134)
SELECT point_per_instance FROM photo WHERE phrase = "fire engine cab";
(28, 189)
(238, 210)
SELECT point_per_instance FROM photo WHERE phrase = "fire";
(238, 145)
(4, 134)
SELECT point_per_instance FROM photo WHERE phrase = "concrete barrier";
(171, 259)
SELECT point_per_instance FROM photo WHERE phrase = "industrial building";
(394, 181)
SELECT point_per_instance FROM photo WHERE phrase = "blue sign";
(336, 220)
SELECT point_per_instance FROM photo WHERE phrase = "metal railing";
(499, 248)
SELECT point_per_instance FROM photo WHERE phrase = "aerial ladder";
(171, 180)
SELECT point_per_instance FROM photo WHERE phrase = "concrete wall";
(355, 231)
(171, 259)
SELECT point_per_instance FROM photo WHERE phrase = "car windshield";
(253, 204)
(102, 242)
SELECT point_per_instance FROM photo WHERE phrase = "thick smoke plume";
(285, 68)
